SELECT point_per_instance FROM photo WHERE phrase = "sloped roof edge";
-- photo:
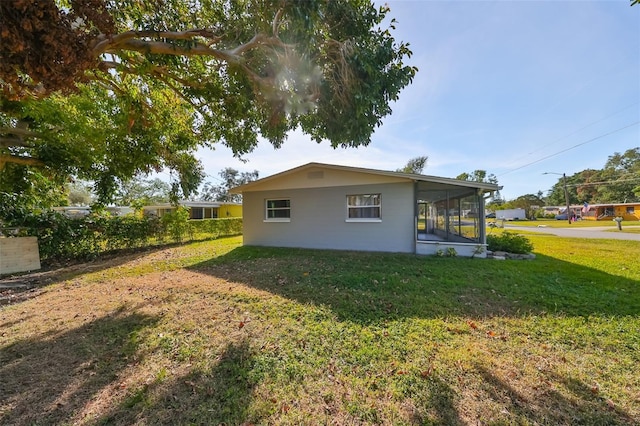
(409, 176)
(187, 203)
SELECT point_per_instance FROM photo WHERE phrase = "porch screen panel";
(470, 217)
(454, 218)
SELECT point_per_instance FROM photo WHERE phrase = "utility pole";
(566, 196)
(566, 193)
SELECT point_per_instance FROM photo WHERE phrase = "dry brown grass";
(295, 337)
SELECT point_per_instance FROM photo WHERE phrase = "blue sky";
(501, 86)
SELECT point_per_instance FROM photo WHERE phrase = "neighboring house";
(627, 211)
(327, 206)
(198, 209)
(552, 210)
(76, 212)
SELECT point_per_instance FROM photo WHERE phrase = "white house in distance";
(325, 206)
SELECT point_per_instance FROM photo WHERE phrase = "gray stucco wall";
(318, 219)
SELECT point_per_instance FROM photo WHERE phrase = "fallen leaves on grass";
(426, 373)
(610, 404)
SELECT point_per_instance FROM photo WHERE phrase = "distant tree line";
(617, 182)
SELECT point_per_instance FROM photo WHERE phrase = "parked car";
(563, 216)
(491, 216)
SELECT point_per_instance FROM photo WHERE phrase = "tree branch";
(161, 71)
(7, 142)
(104, 44)
(19, 132)
(15, 159)
(163, 48)
(276, 22)
(111, 64)
(258, 40)
(110, 84)
(132, 40)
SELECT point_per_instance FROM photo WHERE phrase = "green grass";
(630, 230)
(214, 332)
(552, 223)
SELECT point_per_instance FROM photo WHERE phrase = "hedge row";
(61, 238)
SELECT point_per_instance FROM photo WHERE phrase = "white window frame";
(364, 219)
(267, 209)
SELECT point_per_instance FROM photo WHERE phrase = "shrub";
(176, 223)
(509, 242)
(226, 226)
(61, 238)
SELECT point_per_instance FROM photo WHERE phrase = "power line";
(574, 132)
(605, 182)
(570, 148)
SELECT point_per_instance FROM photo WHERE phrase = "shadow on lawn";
(51, 378)
(363, 287)
(219, 395)
(47, 379)
(578, 405)
(17, 288)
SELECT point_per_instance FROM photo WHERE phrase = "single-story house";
(327, 206)
(76, 212)
(198, 209)
(627, 211)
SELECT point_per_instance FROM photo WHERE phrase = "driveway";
(604, 232)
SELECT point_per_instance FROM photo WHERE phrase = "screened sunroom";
(449, 216)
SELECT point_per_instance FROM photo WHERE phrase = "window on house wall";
(364, 207)
(196, 213)
(278, 210)
(630, 210)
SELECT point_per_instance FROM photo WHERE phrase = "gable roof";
(254, 185)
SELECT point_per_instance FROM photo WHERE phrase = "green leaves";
(509, 242)
(153, 81)
(616, 182)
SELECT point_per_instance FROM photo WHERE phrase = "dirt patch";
(20, 287)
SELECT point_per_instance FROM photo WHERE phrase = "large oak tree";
(105, 90)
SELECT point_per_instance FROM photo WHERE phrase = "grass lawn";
(552, 223)
(216, 333)
(630, 230)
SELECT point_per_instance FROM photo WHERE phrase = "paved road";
(594, 232)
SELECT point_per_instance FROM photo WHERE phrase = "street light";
(566, 193)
